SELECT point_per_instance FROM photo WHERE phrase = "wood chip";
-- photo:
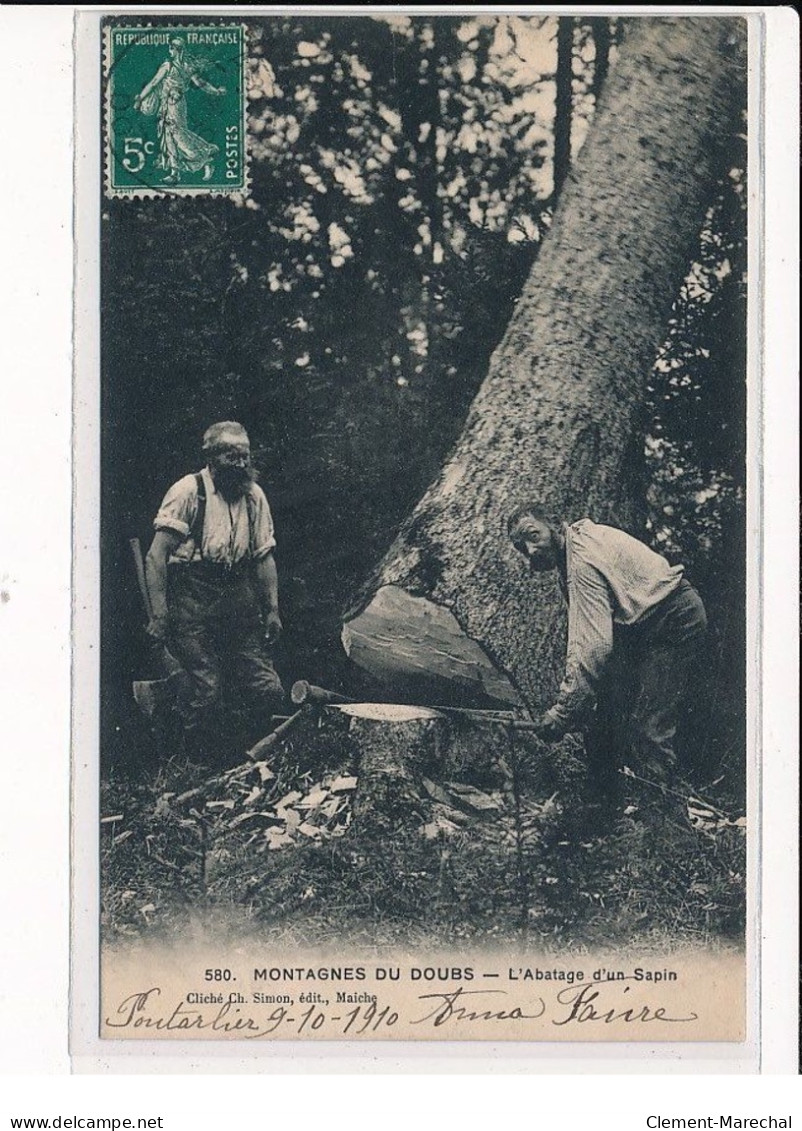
(343, 784)
(240, 817)
(290, 818)
(473, 797)
(437, 792)
(275, 838)
(313, 799)
(289, 799)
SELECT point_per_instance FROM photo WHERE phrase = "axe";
(151, 694)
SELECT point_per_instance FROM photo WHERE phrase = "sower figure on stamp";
(213, 585)
(635, 624)
(180, 149)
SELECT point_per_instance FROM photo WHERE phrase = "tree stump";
(394, 747)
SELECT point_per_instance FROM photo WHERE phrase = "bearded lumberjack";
(213, 583)
(635, 625)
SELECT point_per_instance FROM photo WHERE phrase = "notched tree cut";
(406, 639)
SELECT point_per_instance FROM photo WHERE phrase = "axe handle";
(264, 744)
(139, 566)
(167, 660)
(478, 714)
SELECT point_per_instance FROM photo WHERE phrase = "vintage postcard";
(415, 367)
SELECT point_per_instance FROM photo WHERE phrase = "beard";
(545, 557)
(233, 482)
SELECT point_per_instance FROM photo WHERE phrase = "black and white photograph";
(423, 526)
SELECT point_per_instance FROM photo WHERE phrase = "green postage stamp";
(174, 109)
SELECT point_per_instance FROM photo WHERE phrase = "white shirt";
(232, 531)
(612, 579)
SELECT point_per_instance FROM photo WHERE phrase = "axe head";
(152, 694)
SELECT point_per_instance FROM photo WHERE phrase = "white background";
(36, 157)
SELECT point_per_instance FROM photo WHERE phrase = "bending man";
(213, 583)
(634, 626)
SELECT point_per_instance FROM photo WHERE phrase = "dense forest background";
(403, 174)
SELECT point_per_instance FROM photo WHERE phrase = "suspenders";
(196, 530)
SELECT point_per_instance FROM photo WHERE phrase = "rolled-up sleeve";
(264, 536)
(590, 642)
(177, 511)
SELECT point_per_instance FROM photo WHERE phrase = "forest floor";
(498, 855)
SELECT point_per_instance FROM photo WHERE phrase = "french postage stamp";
(175, 109)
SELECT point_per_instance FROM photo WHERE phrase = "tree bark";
(558, 419)
(394, 748)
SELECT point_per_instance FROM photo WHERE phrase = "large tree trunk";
(558, 419)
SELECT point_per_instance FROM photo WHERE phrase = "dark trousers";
(215, 631)
(640, 697)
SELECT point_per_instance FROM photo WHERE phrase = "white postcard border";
(93, 1055)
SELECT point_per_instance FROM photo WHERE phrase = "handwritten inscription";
(588, 1004)
(456, 1007)
(150, 1012)
(140, 1011)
